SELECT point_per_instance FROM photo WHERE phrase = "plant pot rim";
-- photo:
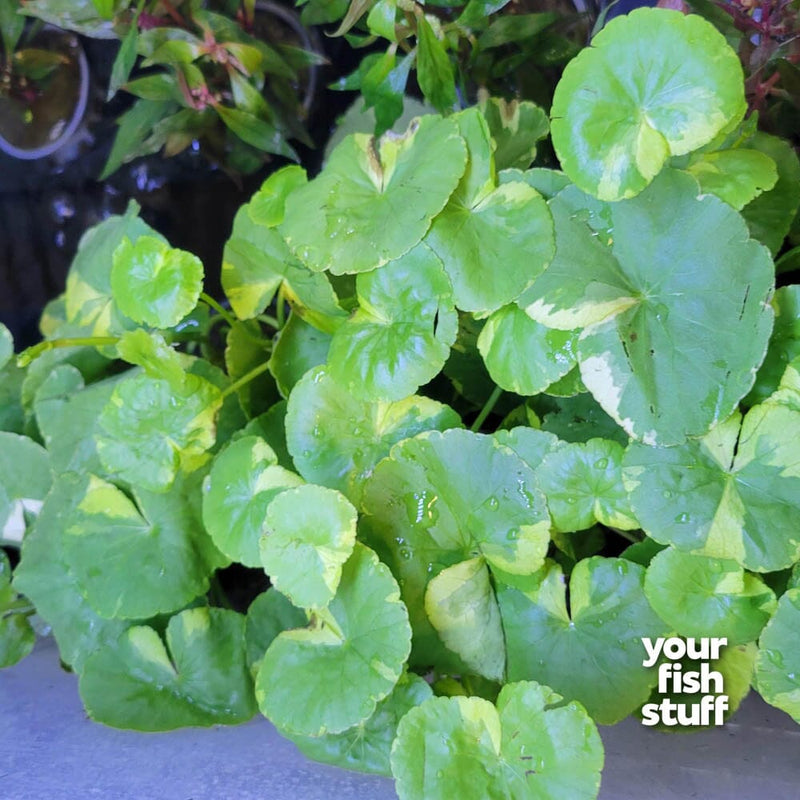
(31, 154)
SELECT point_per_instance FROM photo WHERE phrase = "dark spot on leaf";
(530, 772)
(634, 336)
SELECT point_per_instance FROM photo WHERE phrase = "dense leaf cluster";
(612, 335)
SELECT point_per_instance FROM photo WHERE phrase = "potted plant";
(44, 86)
(237, 80)
(524, 441)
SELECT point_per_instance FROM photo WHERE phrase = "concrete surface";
(50, 751)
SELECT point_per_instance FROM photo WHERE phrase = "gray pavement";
(49, 750)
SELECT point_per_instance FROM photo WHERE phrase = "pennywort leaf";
(591, 649)
(654, 84)
(310, 532)
(197, 677)
(154, 284)
(244, 479)
(375, 199)
(364, 637)
(530, 745)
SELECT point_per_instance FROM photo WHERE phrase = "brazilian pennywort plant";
(516, 421)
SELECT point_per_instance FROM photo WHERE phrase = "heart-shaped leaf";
(374, 201)
(133, 560)
(590, 650)
(401, 334)
(363, 637)
(492, 239)
(532, 745)
(441, 498)
(309, 534)
(701, 597)
(515, 126)
(199, 678)
(731, 495)
(257, 260)
(627, 273)
(654, 84)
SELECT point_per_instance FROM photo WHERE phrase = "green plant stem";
(625, 535)
(268, 320)
(223, 312)
(245, 379)
(32, 353)
(280, 312)
(487, 409)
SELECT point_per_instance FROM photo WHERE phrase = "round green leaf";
(730, 495)
(700, 596)
(401, 334)
(88, 298)
(583, 485)
(363, 638)
(374, 201)
(244, 479)
(25, 480)
(778, 661)
(309, 534)
(6, 345)
(150, 427)
(336, 438)
(441, 498)
(366, 747)
(133, 560)
(522, 355)
(200, 678)
(153, 283)
(591, 650)
(492, 239)
(667, 349)
(44, 577)
(531, 745)
(461, 606)
(654, 84)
